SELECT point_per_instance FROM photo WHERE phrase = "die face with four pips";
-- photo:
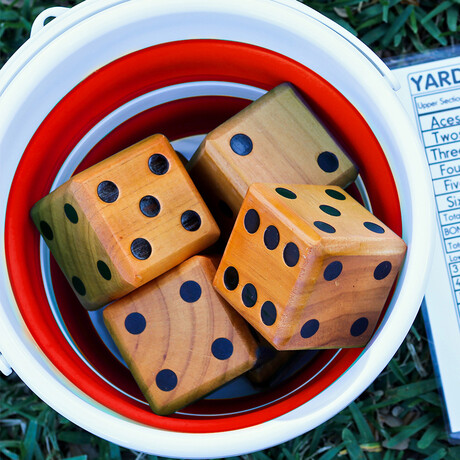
(179, 338)
(276, 139)
(124, 221)
(308, 266)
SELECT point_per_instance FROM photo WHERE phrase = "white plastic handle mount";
(43, 18)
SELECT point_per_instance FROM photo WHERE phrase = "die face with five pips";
(276, 139)
(179, 338)
(124, 221)
(308, 266)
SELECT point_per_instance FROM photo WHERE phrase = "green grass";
(399, 416)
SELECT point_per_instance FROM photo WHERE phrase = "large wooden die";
(179, 338)
(124, 221)
(308, 266)
(276, 139)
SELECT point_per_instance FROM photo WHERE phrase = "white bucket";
(106, 73)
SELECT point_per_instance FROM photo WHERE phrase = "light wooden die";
(276, 139)
(179, 337)
(124, 221)
(308, 266)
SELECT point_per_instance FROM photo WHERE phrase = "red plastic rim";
(88, 103)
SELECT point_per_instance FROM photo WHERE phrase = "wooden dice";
(180, 339)
(308, 266)
(276, 139)
(124, 221)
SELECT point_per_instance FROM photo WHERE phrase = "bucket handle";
(45, 17)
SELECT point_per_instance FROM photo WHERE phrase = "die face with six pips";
(124, 221)
(276, 139)
(308, 266)
(180, 339)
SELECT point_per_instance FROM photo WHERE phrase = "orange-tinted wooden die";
(308, 266)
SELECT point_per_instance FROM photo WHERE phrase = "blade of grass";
(30, 441)
(430, 27)
(366, 436)
(438, 455)
(396, 25)
(374, 34)
(354, 450)
(369, 23)
(385, 10)
(394, 367)
(412, 389)
(8, 454)
(410, 430)
(428, 437)
(332, 453)
(6, 444)
(432, 398)
(452, 18)
(435, 11)
(317, 434)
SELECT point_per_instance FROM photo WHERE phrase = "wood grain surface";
(138, 212)
(276, 139)
(180, 339)
(308, 266)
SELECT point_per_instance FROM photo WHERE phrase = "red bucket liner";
(80, 110)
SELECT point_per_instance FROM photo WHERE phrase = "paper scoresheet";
(430, 92)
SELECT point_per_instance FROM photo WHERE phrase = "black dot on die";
(251, 221)
(271, 237)
(333, 270)
(225, 209)
(135, 323)
(382, 270)
(373, 227)
(268, 313)
(149, 206)
(46, 230)
(191, 221)
(249, 295)
(141, 249)
(108, 191)
(104, 270)
(190, 291)
(291, 254)
(286, 193)
(331, 211)
(166, 380)
(70, 213)
(158, 164)
(78, 285)
(335, 194)
(359, 327)
(328, 162)
(241, 144)
(323, 226)
(231, 278)
(222, 348)
(309, 329)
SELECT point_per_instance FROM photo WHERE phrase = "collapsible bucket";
(107, 73)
